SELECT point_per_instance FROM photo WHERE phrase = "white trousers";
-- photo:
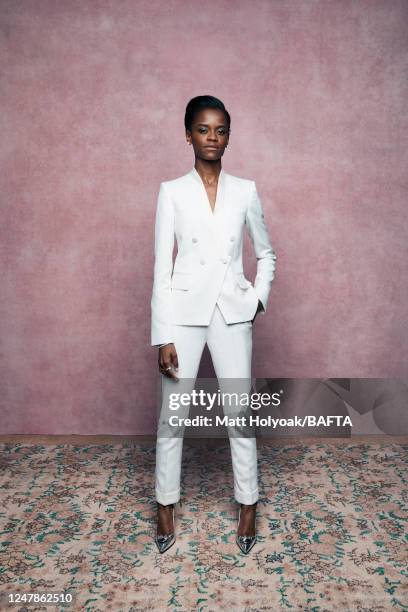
(230, 346)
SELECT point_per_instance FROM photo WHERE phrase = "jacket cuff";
(263, 301)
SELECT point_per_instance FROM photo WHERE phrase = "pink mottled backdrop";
(92, 105)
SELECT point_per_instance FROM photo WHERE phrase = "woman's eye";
(204, 130)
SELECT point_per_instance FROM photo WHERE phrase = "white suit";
(206, 299)
(208, 267)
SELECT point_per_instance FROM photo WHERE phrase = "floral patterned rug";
(331, 522)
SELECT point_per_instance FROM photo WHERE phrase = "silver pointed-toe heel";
(245, 543)
(165, 541)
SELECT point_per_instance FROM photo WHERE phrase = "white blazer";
(208, 267)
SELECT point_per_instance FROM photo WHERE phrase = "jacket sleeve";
(161, 329)
(266, 257)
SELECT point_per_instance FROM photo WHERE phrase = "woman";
(206, 298)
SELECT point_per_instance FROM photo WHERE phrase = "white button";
(194, 239)
(232, 238)
(202, 262)
(224, 260)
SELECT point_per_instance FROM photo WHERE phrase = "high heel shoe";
(164, 541)
(245, 542)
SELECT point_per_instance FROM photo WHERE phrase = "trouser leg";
(231, 352)
(189, 342)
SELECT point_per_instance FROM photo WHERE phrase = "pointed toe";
(165, 541)
(245, 543)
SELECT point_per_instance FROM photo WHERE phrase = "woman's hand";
(168, 361)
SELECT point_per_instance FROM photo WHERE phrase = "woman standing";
(206, 299)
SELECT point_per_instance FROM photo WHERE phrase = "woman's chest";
(193, 212)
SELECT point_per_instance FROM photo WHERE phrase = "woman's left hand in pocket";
(260, 307)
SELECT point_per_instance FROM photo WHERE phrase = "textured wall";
(92, 105)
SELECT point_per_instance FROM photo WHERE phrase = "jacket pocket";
(242, 281)
(181, 280)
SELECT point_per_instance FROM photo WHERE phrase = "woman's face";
(209, 129)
